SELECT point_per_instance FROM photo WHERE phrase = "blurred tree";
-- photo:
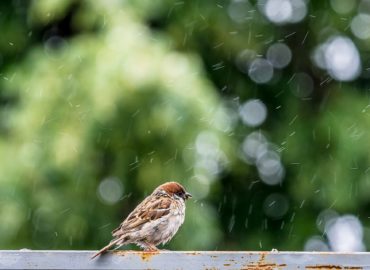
(103, 114)
(259, 107)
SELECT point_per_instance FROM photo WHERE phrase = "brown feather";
(150, 209)
(104, 249)
(171, 188)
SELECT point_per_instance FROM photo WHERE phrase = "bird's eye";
(179, 194)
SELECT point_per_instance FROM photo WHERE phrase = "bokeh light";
(253, 112)
(342, 7)
(345, 234)
(360, 26)
(55, 44)
(275, 205)
(260, 71)
(279, 55)
(199, 186)
(244, 59)
(270, 168)
(110, 190)
(363, 6)
(239, 10)
(209, 158)
(316, 243)
(254, 144)
(259, 108)
(340, 57)
(284, 11)
(325, 217)
(302, 85)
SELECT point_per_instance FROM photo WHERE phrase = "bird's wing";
(152, 208)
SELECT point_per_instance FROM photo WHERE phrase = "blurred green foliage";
(136, 93)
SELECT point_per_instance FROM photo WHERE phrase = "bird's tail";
(104, 249)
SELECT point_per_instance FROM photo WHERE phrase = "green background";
(136, 93)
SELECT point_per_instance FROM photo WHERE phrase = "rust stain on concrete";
(147, 255)
(331, 267)
(262, 264)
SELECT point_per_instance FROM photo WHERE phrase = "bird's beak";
(188, 195)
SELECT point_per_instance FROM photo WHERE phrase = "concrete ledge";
(50, 259)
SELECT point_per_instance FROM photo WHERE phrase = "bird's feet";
(150, 247)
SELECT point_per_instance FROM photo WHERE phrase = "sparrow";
(154, 221)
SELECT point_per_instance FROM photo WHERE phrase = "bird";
(154, 221)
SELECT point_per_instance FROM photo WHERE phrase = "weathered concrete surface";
(182, 260)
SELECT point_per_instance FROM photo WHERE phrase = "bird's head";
(175, 190)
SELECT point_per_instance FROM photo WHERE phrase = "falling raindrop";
(231, 223)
